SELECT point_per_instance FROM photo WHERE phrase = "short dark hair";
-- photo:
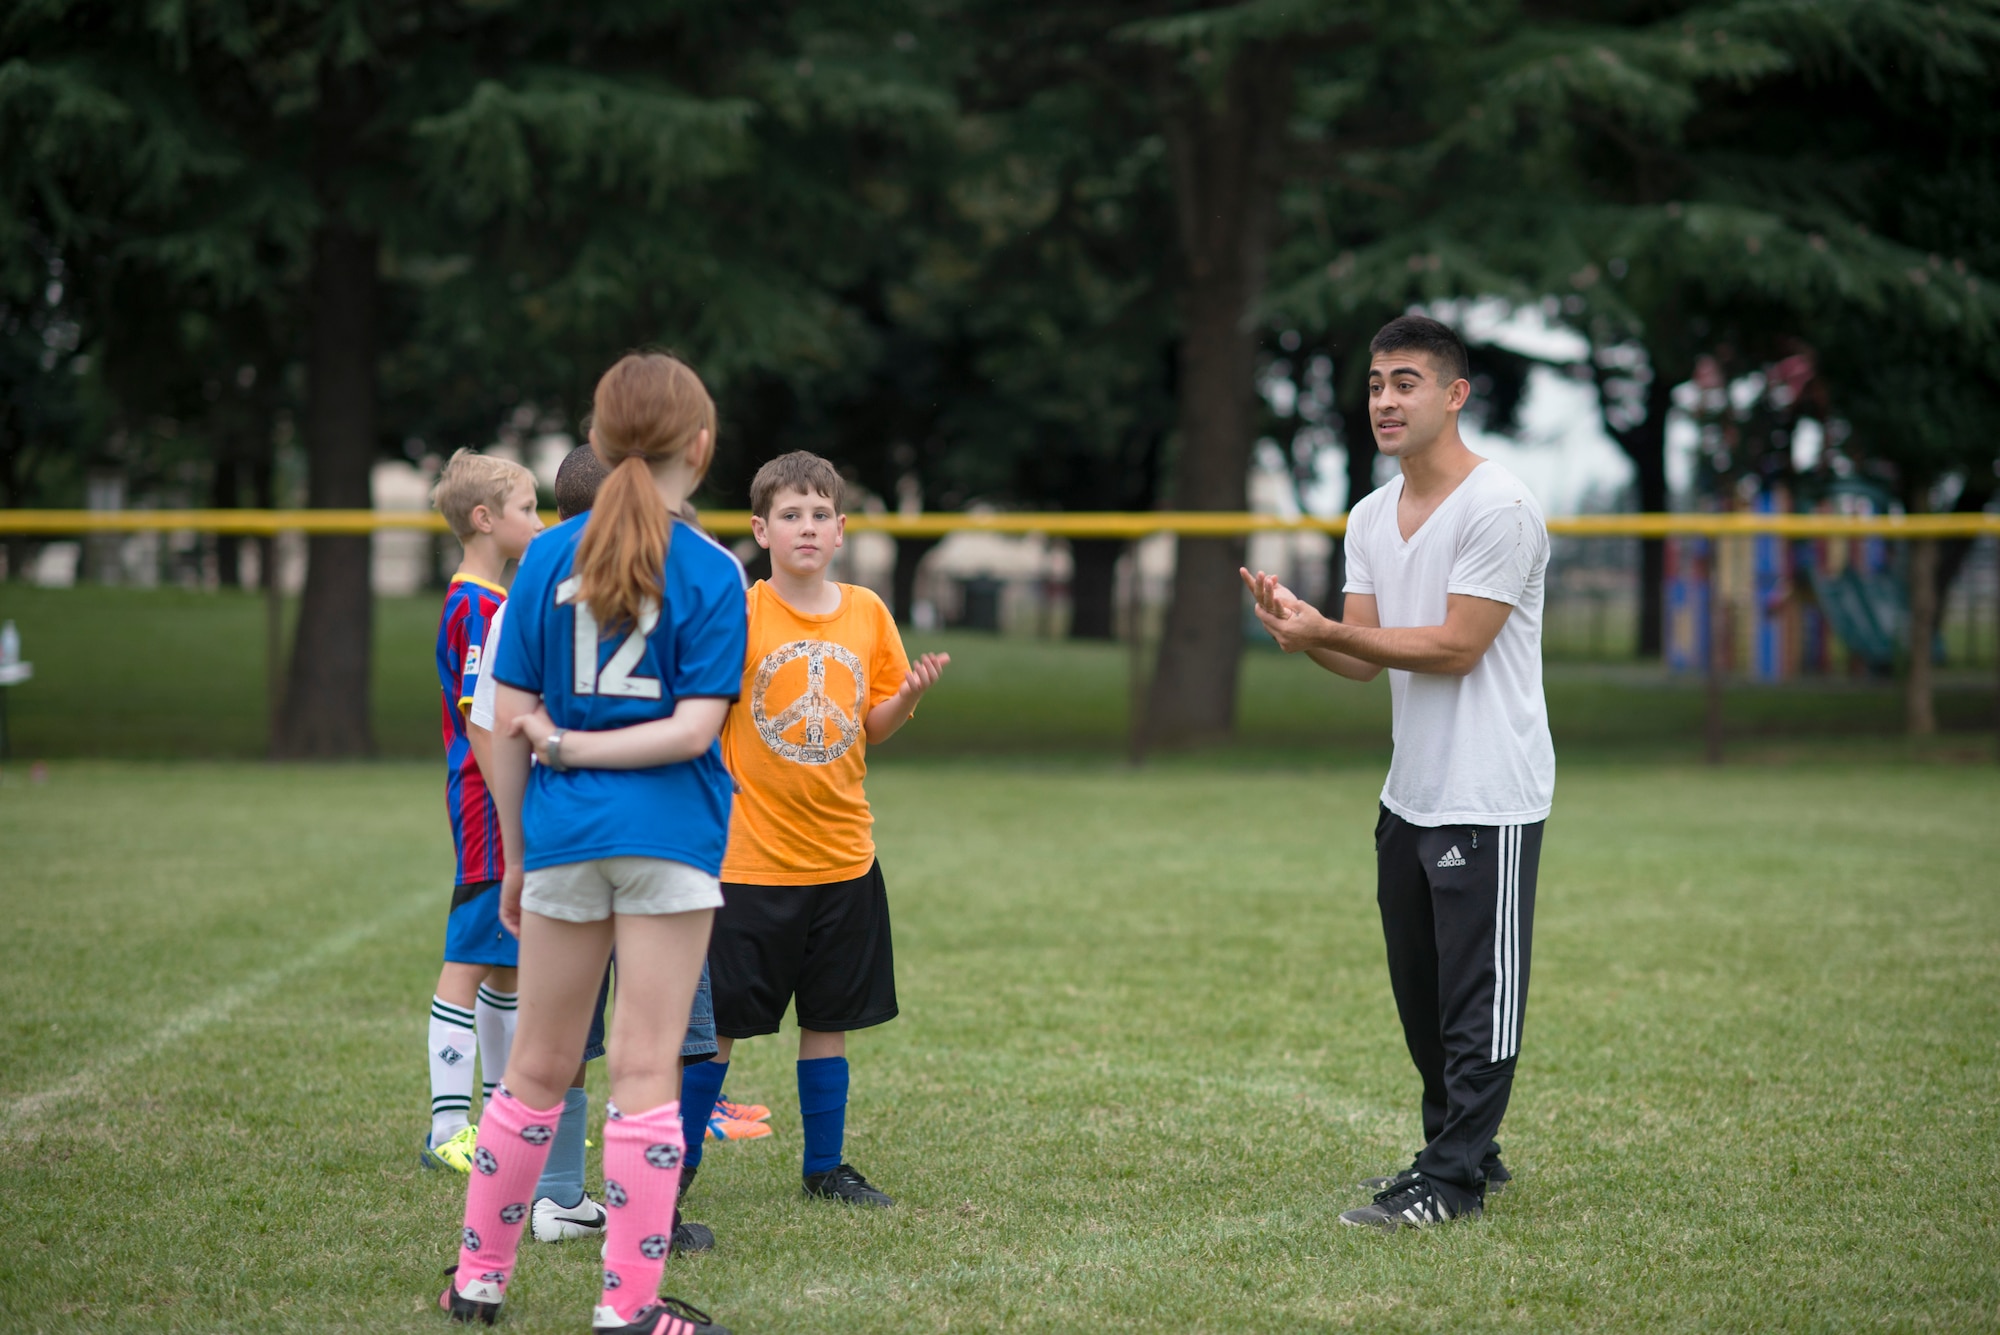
(1419, 333)
(577, 480)
(801, 470)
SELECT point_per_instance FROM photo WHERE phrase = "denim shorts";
(698, 1046)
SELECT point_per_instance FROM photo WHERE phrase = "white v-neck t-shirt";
(1471, 750)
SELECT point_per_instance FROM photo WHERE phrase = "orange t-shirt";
(796, 742)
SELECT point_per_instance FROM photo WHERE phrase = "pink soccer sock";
(513, 1147)
(642, 1177)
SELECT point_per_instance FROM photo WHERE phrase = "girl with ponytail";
(626, 619)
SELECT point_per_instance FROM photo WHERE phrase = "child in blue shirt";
(623, 618)
(490, 505)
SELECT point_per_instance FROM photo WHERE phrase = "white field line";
(214, 1011)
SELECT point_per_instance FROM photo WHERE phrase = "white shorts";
(592, 891)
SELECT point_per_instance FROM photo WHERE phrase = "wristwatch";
(553, 746)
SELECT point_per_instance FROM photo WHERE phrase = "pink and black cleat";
(479, 1300)
(668, 1316)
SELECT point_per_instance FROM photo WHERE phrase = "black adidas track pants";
(1458, 914)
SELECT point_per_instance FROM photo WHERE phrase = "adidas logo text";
(1453, 858)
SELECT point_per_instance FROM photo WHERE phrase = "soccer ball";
(611, 1280)
(483, 1160)
(653, 1246)
(472, 1239)
(664, 1156)
(513, 1214)
(614, 1195)
(537, 1134)
(494, 1277)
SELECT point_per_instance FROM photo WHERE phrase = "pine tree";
(459, 210)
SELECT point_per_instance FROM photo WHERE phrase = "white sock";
(495, 1013)
(452, 1049)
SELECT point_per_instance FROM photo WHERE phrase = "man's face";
(518, 522)
(802, 531)
(1410, 403)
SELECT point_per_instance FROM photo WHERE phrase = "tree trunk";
(264, 488)
(1093, 587)
(243, 458)
(1222, 145)
(1919, 708)
(1359, 437)
(1361, 452)
(910, 553)
(326, 711)
(1646, 446)
(12, 471)
(222, 496)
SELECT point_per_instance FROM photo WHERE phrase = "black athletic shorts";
(826, 945)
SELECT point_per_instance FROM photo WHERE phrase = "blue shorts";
(473, 934)
(699, 1044)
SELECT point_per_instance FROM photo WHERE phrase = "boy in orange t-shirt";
(805, 913)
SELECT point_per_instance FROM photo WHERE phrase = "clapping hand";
(923, 675)
(1291, 620)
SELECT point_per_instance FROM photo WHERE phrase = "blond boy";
(490, 505)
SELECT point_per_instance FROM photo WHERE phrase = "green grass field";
(1146, 1046)
(174, 674)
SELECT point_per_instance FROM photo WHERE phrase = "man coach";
(1445, 571)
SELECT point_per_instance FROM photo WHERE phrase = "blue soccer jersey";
(691, 648)
(475, 827)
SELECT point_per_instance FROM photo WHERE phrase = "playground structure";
(1795, 607)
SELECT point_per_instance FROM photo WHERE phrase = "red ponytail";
(649, 408)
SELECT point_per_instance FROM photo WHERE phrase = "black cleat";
(668, 1316)
(844, 1184)
(688, 1171)
(480, 1301)
(693, 1237)
(1497, 1178)
(1379, 1184)
(1419, 1203)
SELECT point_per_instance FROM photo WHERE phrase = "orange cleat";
(742, 1112)
(730, 1128)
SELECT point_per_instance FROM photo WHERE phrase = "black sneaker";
(479, 1302)
(1497, 1178)
(688, 1171)
(1390, 1182)
(1419, 1203)
(844, 1184)
(668, 1316)
(688, 1237)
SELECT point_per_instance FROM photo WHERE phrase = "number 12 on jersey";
(616, 678)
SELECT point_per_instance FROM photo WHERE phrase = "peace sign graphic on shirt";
(813, 708)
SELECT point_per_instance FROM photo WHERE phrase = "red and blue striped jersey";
(475, 826)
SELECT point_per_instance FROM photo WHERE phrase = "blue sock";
(701, 1086)
(562, 1179)
(823, 1109)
